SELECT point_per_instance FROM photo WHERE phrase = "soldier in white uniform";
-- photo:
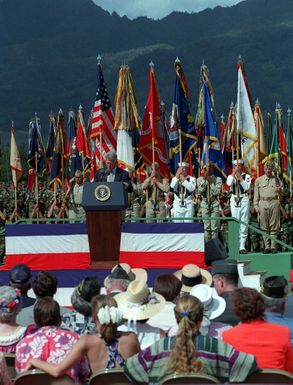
(74, 196)
(209, 187)
(239, 184)
(183, 186)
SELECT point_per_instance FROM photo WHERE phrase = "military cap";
(78, 173)
(228, 266)
(275, 286)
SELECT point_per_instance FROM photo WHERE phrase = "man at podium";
(113, 173)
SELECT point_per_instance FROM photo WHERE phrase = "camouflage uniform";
(76, 211)
(286, 220)
(225, 211)
(155, 199)
(134, 200)
(210, 206)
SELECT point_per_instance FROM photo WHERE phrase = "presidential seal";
(102, 192)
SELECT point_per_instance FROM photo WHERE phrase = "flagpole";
(289, 155)
(14, 185)
(100, 140)
(232, 135)
(82, 154)
(36, 180)
(256, 108)
(152, 128)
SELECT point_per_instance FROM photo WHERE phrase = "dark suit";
(228, 317)
(120, 176)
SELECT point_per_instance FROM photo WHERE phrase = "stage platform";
(66, 246)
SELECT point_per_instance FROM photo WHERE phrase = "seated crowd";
(193, 321)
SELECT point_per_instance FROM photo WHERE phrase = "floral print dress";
(50, 344)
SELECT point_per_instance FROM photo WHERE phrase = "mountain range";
(49, 50)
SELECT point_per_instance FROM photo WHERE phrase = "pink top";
(50, 344)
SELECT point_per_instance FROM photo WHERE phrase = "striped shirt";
(219, 360)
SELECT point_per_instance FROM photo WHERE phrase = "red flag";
(15, 162)
(151, 130)
(82, 144)
(283, 149)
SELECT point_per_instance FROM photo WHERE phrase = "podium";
(103, 203)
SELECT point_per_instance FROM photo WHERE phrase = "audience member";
(117, 281)
(49, 342)
(107, 349)
(289, 303)
(10, 332)
(138, 304)
(225, 278)
(268, 342)
(19, 278)
(121, 275)
(191, 275)
(80, 319)
(4, 378)
(275, 290)
(44, 284)
(169, 287)
(214, 306)
(189, 351)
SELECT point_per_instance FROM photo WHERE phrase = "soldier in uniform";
(255, 240)
(286, 221)
(239, 184)
(225, 211)
(155, 187)
(209, 187)
(74, 198)
(267, 194)
(134, 200)
(183, 186)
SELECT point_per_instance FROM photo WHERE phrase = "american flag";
(102, 127)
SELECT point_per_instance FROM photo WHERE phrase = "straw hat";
(138, 303)
(131, 274)
(214, 305)
(192, 275)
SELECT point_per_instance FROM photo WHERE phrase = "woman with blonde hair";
(107, 349)
(189, 351)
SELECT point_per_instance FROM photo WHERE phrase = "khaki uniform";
(266, 198)
(134, 201)
(155, 198)
(76, 210)
(210, 206)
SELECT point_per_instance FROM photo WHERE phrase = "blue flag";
(181, 120)
(36, 153)
(75, 162)
(59, 160)
(211, 147)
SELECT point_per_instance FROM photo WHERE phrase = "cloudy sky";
(158, 9)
